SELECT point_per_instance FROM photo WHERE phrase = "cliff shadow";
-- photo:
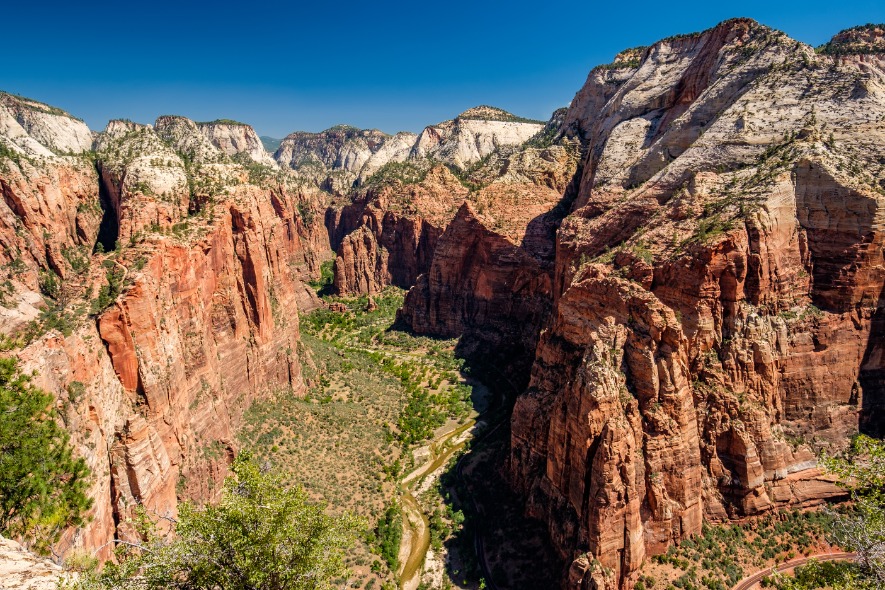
(872, 376)
(497, 545)
(109, 228)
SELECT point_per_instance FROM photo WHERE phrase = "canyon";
(680, 277)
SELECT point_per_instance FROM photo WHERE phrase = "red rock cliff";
(152, 388)
(716, 297)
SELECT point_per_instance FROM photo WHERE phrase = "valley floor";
(399, 431)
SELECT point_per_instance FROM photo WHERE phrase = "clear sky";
(285, 66)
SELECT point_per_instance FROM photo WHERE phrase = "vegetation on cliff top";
(490, 113)
(223, 122)
(868, 39)
(35, 105)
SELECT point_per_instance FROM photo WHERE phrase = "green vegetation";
(397, 173)
(711, 227)
(862, 470)
(374, 392)
(429, 384)
(30, 103)
(222, 122)
(42, 486)
(836, 575)
(262, 535)
(389, 533)
(108, 292)
(343, 127)
(850, 44)
(490, 113)
(9, 154)
(323, 284)
(547, 136)
(720, 557)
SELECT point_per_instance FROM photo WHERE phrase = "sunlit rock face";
(713, 313)
(212, 264)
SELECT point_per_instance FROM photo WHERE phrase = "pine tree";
(42, 486)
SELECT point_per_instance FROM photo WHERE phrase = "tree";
(260, 536)
(42, 486)
(390, 534)
(862, 470)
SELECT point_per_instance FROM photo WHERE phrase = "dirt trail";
(752, 581)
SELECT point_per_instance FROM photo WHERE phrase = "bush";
(261, 536)
(390, 533)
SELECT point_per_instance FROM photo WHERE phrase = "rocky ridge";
(398, 218)
(236, 139)
(37, 129)
(342, 156)
(715, 299)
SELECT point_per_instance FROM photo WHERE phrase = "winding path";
(751, 581)
(413, 517)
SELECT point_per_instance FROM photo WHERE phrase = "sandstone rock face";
(212, 268)
(491, 275)
(716, 295)
(770, 260)
(388, 234)
(39, 129)
(341, 156)
(144, 183)
(483, 287)
(21, 570)
(235, 139)
(407, 215)
(862, 40)
(361, 265)
(473, 135)
(187, 138)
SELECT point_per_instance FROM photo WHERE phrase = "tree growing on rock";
(42, 485)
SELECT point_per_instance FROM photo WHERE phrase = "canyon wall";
(389, 233)
(712, 317)
(180, 275)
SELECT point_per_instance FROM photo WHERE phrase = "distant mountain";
(270, 143)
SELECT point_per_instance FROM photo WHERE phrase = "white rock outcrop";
(34, 128)
(234, 138)
(22, 570)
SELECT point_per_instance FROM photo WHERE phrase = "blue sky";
(285, 66)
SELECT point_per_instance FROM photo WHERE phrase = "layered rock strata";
(716, 298)
(406, 214)
(171, 282)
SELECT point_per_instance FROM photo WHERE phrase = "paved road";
(748, 583)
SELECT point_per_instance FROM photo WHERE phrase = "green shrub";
(261, 535)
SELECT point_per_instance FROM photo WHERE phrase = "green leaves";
(862, 470)
(390, 534)
(42, 486)
(260, 536)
